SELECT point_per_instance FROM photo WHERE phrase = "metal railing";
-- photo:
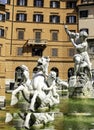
(37, 41)
(87, 1)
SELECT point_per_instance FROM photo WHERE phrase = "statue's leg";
(77, 60)
(33, 100)
(27, 119)
(14, 99)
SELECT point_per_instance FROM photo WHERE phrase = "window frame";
(54, 52)
(21, 17)
(38, 3)
(20, 36)
(38, 18)
(54, 35)
(54, 19)
(21, 2)
(2, 31)
(2, 17)
(54, 4)
(19, 51)
(37, 51)
(7, 15)
(71, 4)
(8, 2)
(71, 19)
(83, 13)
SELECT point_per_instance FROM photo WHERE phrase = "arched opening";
(18, 74)
(70, 72)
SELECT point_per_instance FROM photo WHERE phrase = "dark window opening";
(71, 4)
(1, 32)
(54, 36)
(22, 2)
(8, 1)
(55, 4)
(37, 37)
(84, 14)
(2, 17)
(55, 19)
(71, 19)
(38, 18)
(54, 52)
(20, 35)
(20, 51)
(21, 17)
(38, 3)
(7, 15)
(37, 51)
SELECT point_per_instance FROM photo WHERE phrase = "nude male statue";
(79, 41)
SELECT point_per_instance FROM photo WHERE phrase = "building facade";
(86, 22)
(35, 28)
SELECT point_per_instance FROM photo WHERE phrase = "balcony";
(42, 42)
(87, 1)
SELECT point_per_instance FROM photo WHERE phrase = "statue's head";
(43, 60)
(24, 67)
(52, 74)
(83, 34)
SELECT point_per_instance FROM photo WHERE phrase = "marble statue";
(44, 85)
(42, 82)
(27, 120)
(81, 59)
(82, 65)
(25, 85)
(41, 90)
(37, 118)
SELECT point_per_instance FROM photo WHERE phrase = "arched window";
(70, 72)
(18, 74)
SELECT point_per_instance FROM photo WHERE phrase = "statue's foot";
(8, 118)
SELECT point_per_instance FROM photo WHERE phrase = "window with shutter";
(22, 2)
(54, 36)
(38, 18)
(8, 2)
(83, 13)
(19, 51)
(1, 32)
(37, 36)
(71, 19)
(20, 34)
(2, 17)
(37, 51)
(7, 15)
(55, 4)
(38, 3)
(70, 4)
(21, 17)
(54, 52)
(55, 19)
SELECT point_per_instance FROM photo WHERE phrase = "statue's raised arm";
(71, 35)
